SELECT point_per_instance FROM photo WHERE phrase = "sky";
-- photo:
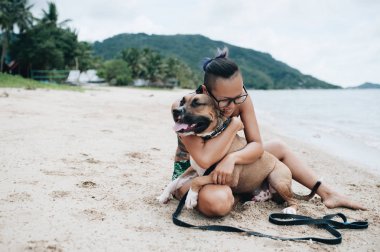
(337, 41)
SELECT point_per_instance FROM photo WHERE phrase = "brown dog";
(197, 114)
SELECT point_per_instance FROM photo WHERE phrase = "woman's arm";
(254, 148)
(249, 154)
(207, 153)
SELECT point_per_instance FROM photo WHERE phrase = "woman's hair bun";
(221, 53)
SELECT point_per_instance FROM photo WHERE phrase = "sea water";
(344, 122)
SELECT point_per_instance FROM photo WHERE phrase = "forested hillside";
(260, 70)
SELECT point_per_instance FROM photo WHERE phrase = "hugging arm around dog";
(207, 153)
(223, 82)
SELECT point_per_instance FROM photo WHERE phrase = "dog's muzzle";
(188, 123)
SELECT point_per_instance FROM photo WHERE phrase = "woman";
(224, 83)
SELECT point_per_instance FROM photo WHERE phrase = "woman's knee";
(277, 147)
(215, 200)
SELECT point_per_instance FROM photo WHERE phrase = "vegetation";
(46, 44)
(14, 81)
(12, 13)
(149, 66)
(40, 44)
(50, 45)
(259, 69)
(116, 72)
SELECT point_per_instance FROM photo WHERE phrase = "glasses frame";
(230, 99)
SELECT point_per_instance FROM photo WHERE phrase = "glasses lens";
(224, 103)
(240, 99)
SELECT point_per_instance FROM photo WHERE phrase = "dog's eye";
(182, 102)
(196, 103)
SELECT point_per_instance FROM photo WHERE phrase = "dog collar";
(217, 131)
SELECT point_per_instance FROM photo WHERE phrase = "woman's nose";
(231, 105)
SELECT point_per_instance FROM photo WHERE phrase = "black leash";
(326, 222)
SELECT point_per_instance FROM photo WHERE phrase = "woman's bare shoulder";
(245, 109)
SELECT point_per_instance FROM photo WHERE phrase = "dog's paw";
(289, 210)
(164, 198)
(191, 199)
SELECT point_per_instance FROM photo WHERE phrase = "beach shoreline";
(82, 170)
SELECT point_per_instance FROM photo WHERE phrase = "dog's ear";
(199, 90)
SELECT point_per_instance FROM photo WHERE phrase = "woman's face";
(228, 88)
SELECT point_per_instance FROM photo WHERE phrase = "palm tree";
(133, 57)
(51, 16)
(13, 13)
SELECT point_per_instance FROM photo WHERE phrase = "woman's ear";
(204, 89)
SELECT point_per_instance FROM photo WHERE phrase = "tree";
(182, 72)
(51, 16)
(13, 13)
(48, 45)
(154, 65)
(151, 65)
(84, 58)
(133, 57)
(145, 63)
(116, 72)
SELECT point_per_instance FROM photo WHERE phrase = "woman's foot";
(333, 199)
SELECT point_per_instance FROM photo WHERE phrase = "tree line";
(149, 65)
(40, 43)
(30, 43)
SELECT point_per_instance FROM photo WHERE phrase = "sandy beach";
(80, 171)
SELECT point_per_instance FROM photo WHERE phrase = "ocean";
(345, 122)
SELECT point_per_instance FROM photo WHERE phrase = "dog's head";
(195, 114)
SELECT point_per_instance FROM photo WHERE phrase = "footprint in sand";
(140, 157)
(92, 161)
(107, 131)
(17, 197)
(59, 194)
(87, 184)
(136, 155)
(93, 214)
(54, 173)
(42, 246)
(89, 159)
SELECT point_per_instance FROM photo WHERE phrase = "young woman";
(224, 83)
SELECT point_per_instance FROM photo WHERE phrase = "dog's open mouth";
(195, 128)
(183, 127)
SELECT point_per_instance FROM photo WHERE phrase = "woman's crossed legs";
(218, 200)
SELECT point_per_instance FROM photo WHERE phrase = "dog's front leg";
(196, 185)
(176, 184)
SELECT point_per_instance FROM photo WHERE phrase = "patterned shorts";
(180, 167)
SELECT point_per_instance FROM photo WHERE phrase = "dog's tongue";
(178, 126)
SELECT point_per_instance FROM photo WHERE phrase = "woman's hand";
(222, 174)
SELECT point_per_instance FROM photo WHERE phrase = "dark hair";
(220, 66)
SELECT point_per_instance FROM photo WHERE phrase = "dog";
(267, 178)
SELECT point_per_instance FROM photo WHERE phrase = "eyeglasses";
(227, 101)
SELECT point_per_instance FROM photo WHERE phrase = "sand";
(80, 171)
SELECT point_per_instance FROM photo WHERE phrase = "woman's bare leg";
(307, 177)
(213, 200)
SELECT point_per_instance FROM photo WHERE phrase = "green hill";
(260, 70)
(368, 85)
